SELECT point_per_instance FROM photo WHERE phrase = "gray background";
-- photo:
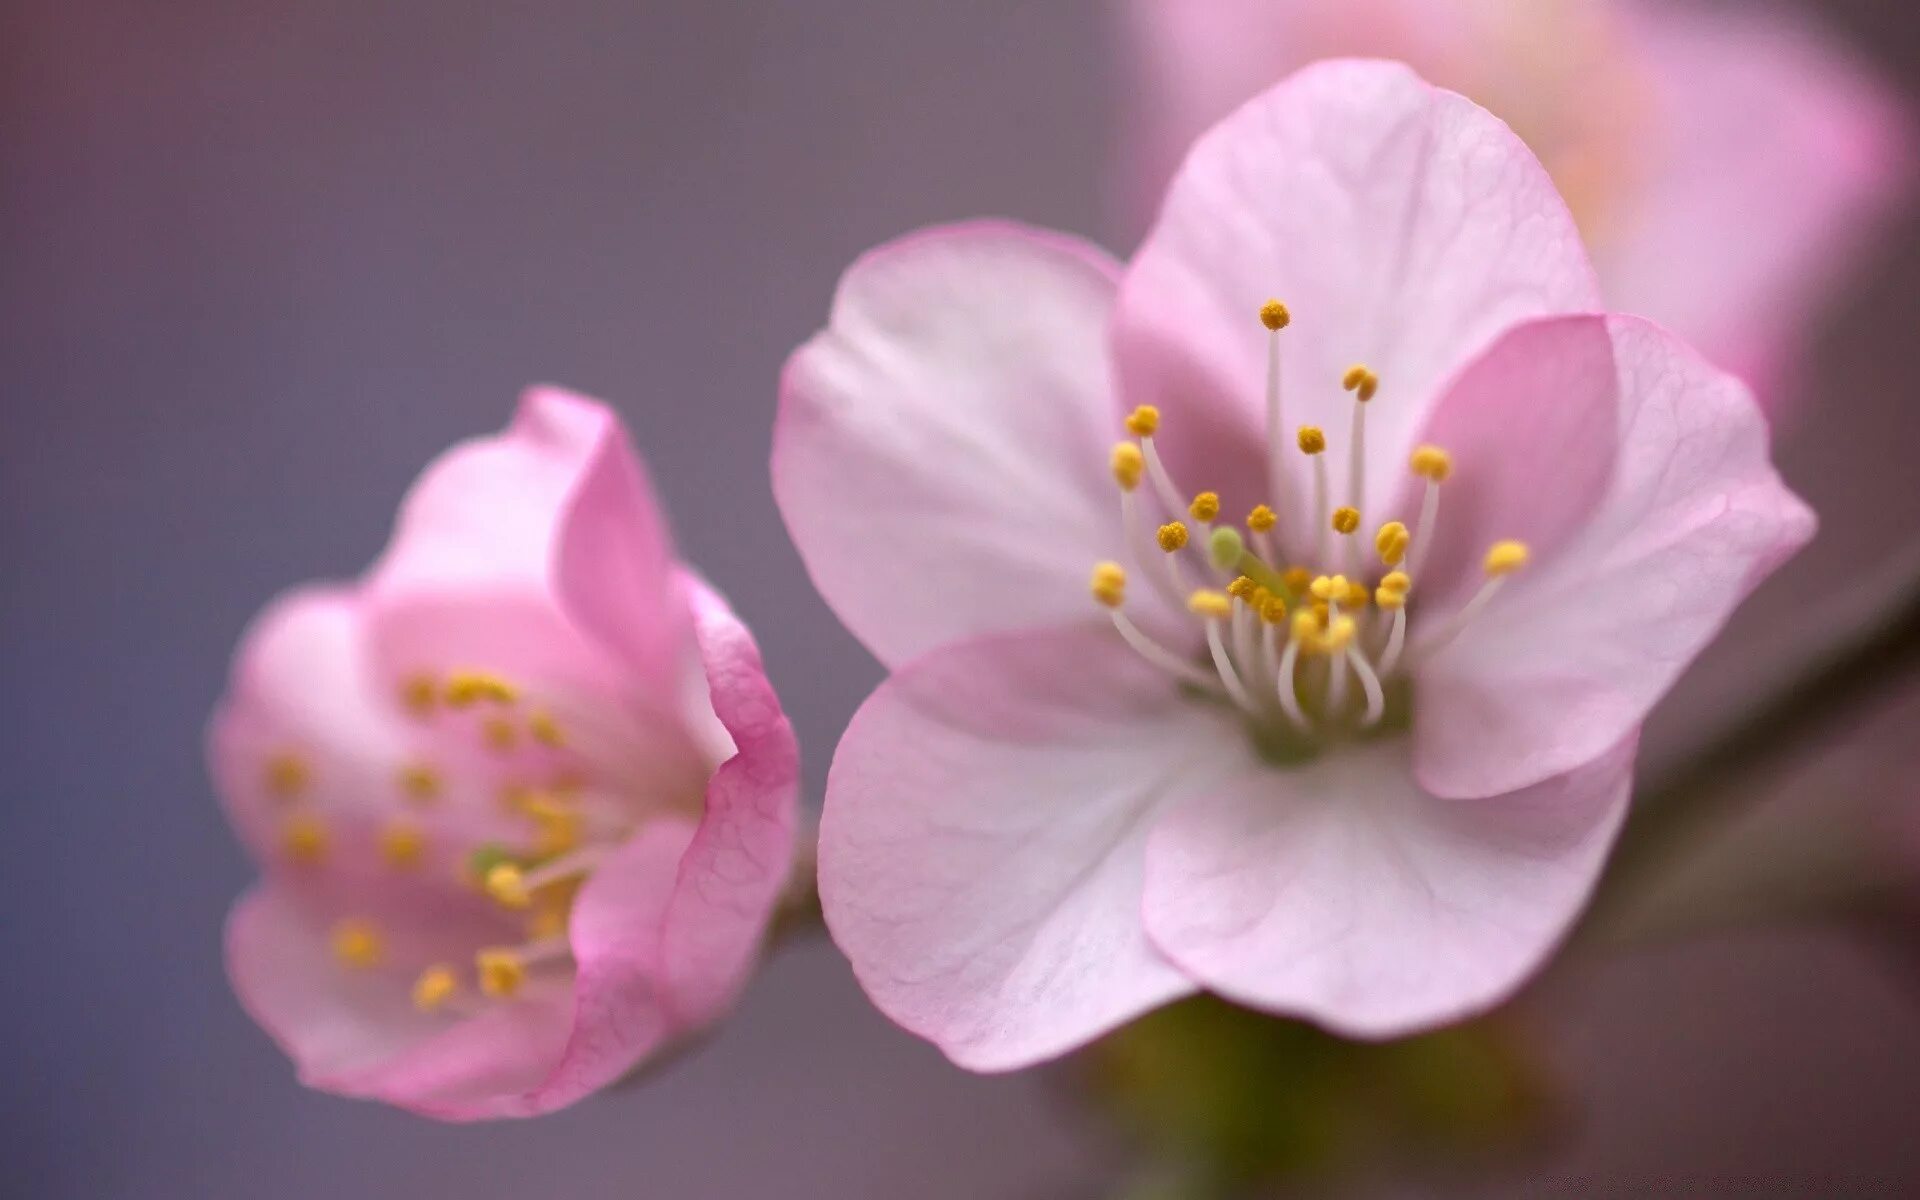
(259, 260)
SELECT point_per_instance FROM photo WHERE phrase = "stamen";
(402, 845)
(420, 782)
(357, 944)
(545, 730)
(1213, 607)
(1434, 465)
(1391, 596)
(507, 884)
(466, 688)
(287, 775)
(1172, 538)
(1370, 685)
(1339, 634)
(304, 840)
(419, 694)
(1275, 317)
(1127, 463)
(1260, 522)
(1346, 520)
(1313, 444)
(501, 972)
(1503, 559)
(436, 986)
(1163, 485)
(1362, 383)
(1143, 421)
(1391, 543)
(1304, 627)
(1205, 507)
(1132, 534)
(1109, 584)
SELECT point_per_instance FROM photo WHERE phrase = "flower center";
(529, 839)
(1306, 630)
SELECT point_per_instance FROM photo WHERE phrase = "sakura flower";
(522, 797)
(1724, 162)
(1347, 725)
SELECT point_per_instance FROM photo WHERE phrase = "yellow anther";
(1273, 610)
(287, 775)
(1504, 558)
(1109, 584)
(304, 840)
(1389, 599)
(1329, 587)
(500, 733)
(1346, 519)
(1143, 421)
(1128, 463)
(1261, 519)
(1397, 581)
(1205, 506)
(501, 971)
(402, 845)
(466, 688)
(1357, 594)
(1274, 315)
(1339, 635)
(508, 886)
(1241, 587)
(1432, 462)
(420, 782)
(357, 943)
(1210, 604)
(436, 985)
(1306, 629)
(1361, 382)
(1313, 439)
(549, 921)
(545, 730)
(1391, 542)
(1172, 536)
(1297, 579)
(419, 694)
(1258, 597)
(559, 832)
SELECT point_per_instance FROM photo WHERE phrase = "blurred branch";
(1876, 648)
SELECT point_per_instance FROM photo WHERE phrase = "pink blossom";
(1367, 774)
(1724, 162)
(522, 797)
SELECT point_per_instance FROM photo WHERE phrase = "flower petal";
(1567, 659)
(1530, 427)
(1342, 893)
(357, 1033)
(980, 851)
(303, 689)
(742, 854)
(1403, 226)
(941, 451)
(1732, 239)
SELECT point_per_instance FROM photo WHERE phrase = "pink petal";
(1341, 893)
(740, 858)
(357, 1033)
(941, 451)
(302, 684)
(1530, 426)
(980, 851)
(1403, 226)
(1772, 153)
(1569, 657)
(491, 511)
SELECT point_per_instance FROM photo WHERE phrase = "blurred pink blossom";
(1725, 163)
(1371, 779)
(523, 797)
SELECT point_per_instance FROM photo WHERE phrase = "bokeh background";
(259, 260)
